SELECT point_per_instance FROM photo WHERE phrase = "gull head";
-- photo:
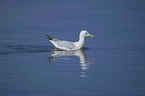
(85, 33)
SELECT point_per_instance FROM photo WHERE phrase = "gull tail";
(48, 37)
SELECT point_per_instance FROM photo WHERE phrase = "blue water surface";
(112, 64)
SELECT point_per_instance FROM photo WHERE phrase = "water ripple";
(9, 49)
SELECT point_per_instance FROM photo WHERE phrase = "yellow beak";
(91, 35)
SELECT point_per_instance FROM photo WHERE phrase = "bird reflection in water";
(84, 62)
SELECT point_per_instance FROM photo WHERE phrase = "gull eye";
(86, 33)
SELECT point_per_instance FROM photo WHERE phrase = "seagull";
(68, 45)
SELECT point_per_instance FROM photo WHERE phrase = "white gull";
(68, 45)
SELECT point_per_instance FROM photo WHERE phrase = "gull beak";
(91, 35)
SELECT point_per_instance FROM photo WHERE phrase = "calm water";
(113, 64)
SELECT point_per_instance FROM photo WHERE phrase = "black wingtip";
(48, 37)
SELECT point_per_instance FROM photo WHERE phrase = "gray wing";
(66, 44)
(63, 44)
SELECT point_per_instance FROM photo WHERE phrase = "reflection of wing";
(80, 53)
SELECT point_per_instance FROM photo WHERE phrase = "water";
(112, 64)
